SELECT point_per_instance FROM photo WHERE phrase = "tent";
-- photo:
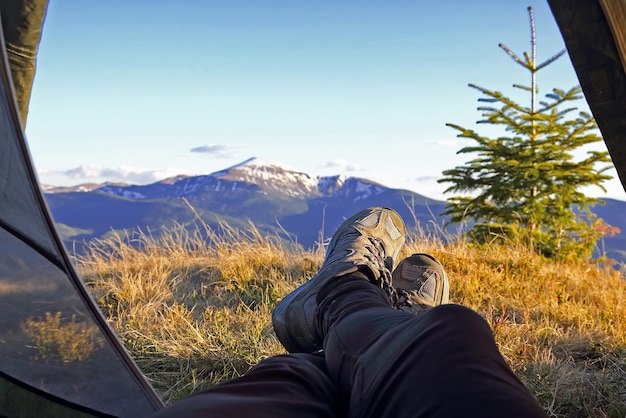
(59, 357)
(594, 32)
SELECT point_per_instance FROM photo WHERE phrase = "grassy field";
(193, 316)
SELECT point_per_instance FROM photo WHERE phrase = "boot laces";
(378, 259)
(397, 297)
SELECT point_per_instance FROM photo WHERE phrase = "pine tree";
(526, 185)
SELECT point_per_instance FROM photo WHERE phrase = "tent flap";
(58, 355)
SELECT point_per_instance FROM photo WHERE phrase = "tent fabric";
(53, 339)
(29, 401)
(594, 32)
(20, 209)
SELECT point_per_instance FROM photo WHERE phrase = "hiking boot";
(370, 242)
(421, 283)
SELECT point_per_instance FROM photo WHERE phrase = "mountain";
(275, 199)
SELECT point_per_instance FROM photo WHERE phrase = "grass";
(194, 315)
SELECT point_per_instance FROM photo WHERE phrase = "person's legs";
(379, 359)
(389, 361)
(440, 363)
(294, 385)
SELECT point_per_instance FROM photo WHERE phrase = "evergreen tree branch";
(552, 59)
(513, 55)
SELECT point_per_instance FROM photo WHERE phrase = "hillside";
(193, 316)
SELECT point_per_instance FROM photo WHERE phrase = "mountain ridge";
(270, 178)
(274, 198)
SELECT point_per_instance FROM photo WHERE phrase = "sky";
(138, 91)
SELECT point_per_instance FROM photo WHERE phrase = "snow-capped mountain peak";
(329, 185)
(271, 177)
(262, 162)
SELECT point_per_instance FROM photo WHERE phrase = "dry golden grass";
(194, 315)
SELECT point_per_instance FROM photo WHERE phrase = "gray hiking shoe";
(421, 283)
(369, 241)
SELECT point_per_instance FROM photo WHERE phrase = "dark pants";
(377, 362)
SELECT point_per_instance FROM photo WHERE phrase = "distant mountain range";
(275, 199)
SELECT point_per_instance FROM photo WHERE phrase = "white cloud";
(124, 173)
(217, 150)
(339, 163)
(426, 179)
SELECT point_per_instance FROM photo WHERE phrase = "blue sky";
(140, 90)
